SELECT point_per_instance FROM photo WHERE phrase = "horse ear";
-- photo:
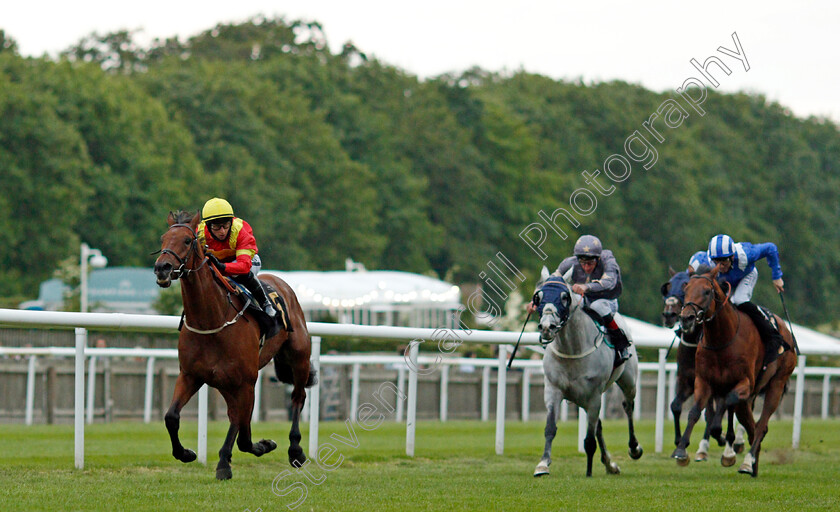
(195, 220)
(544, 274)
(671, 271)
(171, 218)
(665, 288)
(714, 272)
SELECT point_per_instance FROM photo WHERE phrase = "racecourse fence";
(506, 382)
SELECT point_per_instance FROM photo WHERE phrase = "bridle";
(700, 310)
(182, 271)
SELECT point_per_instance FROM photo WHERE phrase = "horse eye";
(187, 241)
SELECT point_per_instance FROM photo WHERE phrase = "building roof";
(132, 289)
(369, 289)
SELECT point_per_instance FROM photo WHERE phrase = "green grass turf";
(128, 467)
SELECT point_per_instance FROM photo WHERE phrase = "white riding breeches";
(604, 307)
(256, 264)
(744, 290)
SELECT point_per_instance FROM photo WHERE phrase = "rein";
(599, 338)
(184, 272)
(701, 311)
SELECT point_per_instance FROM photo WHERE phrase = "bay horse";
(578, 366)
(728, 364)
(219, 345)
(673, 294)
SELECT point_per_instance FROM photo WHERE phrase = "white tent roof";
(369, 289)
(809, 340)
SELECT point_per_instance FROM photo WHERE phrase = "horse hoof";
(296, 456)
(727, 461)
(738, 447)
(541, 470)
(268, 444)
(748, 466)
(682, 462)
(613, 469)
(187, 456)
(637, 453)
(224, 474)
(701, 457)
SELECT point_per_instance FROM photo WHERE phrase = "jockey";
(232, 248)
(597, 277)
(737, 266)
(697, 259)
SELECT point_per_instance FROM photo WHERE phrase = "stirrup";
(269, 310)
(621, 356)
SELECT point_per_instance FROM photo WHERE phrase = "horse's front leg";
(594, 438)
(702, 454)
(702, 392)
(185, 388)
(553, 397)
(729, 453)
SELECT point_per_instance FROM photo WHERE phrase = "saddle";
(269, 327)
(776, 345)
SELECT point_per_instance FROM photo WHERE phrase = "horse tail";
(313, 379)
(285, 374)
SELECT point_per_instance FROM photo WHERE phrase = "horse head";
(179, 248)
(704, 297)
(554, 301)
(673, 293)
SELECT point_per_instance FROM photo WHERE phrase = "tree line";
(335, 155)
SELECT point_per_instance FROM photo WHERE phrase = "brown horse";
(219, 345)
(728, 364)
(673, 294)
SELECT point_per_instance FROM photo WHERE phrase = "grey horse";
(578, 366)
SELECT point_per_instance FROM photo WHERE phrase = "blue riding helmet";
(554, 291)
(721, 246)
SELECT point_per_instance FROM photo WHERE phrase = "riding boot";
(774, 343)
(618, 339)
(255, 286)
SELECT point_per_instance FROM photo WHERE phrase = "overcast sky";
(793, 49)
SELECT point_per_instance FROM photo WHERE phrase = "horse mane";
(182, 216)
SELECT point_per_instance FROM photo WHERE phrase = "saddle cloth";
(269, 327)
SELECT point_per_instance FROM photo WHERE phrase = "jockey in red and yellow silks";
(232, 248)
(236, 251)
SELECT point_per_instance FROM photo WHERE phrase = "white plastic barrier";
(648, 335)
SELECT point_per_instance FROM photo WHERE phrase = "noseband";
(182, 271)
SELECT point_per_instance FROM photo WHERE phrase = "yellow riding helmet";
(216, 208)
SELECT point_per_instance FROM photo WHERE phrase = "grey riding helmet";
(588, 246)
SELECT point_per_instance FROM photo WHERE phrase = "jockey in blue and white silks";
(737, 267)
(697, 259)
(740, 272)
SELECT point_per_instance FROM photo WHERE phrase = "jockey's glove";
(216, 263)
